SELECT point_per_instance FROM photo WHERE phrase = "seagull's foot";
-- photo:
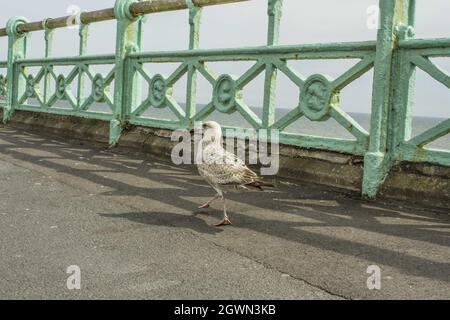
(224, 222)
(205, 206)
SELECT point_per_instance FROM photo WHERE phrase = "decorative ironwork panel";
(417, 54)
(67, 88)
(319, 99)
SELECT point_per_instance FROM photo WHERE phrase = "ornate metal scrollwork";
(98, 88)
(61, 87)
(158, 91)
(317, 97)
(224, 94)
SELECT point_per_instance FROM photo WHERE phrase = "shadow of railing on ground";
(326, 209)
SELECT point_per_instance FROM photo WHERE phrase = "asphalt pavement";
(130, 224)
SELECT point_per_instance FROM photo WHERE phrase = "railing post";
(48, 37)
(195, 14)
(128, 40)
(274, 12)
(401, 127)
(83, 34)
(17, 47)
(378, 160)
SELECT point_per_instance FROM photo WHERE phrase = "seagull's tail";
(258, 184)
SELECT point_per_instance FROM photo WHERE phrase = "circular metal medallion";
(98, 88)
(158, 90)
(60, 87)
(224, 94)
(315, 98)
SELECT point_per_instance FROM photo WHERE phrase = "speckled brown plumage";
(222, 169)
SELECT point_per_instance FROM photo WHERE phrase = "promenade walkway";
(130, 223)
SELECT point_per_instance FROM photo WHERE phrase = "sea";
(329, 128)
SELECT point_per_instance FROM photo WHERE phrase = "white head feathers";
(212, 133)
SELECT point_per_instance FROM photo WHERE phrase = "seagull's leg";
(206, 205)
(226, 221)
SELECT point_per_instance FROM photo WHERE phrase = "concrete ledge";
(423, 183)
(71, 127)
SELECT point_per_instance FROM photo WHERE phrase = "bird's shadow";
(168, 219)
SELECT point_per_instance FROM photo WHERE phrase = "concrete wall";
(422, 183)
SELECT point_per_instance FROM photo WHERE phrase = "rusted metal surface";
(136, 9)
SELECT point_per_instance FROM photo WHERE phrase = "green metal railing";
(394, 57)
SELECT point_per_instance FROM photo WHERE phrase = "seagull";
(223, 170)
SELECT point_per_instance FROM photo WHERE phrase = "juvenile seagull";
(222, 169)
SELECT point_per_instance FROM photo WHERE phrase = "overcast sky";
(245, 24)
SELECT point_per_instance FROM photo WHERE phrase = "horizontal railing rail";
(135, 9)
(424, 43)
(127, 90)
(349, 50)
(64, 61)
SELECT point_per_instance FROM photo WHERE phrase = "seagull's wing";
(224, 168)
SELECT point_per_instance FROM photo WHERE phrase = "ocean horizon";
(329, 128)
